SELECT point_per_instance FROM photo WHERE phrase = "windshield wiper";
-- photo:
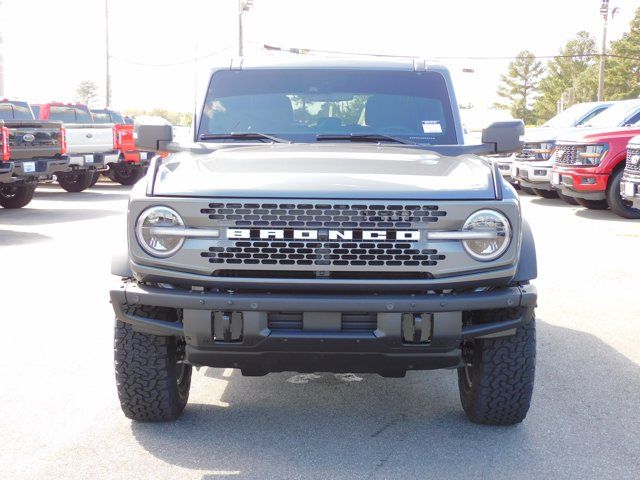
(364, 137)
(243, 136)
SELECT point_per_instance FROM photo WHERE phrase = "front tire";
(153, 382)
(497, 383)
(619, 205)
(16, 196)
(75, 181)
(593, 204)
(546, 193)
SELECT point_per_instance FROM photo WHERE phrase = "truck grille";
(569, 155)
(526, 153)
(633, 159)
(323, 253)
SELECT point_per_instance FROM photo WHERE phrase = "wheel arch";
(528, 264)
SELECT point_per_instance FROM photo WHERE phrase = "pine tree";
(622, 75)
(519, 86)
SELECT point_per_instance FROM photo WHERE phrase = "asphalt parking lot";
(61, 418)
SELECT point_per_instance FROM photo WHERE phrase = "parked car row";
(580, 156)
(66, 140)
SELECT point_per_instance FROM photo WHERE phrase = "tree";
(573, 68)
(87, 92)
(622, 75)
(174, 118)
(519, 86)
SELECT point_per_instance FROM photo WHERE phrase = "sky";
(51, 46)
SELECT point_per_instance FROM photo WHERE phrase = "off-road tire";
(568, 199)
(593, 204)
(546, 193)
(496, 388)
(126, 175)
(152, 385)
(95, 178)
(619, 205)
(18, 196)
(76, 181)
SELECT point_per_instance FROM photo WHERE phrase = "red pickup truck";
(132, 163)
(590, 168)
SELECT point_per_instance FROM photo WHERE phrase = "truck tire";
(593, 204)
(568, 199)
(152, 384)
(619, 205)
(16, 196)
(75, 181)
(95, 178)
(496, 387)
(527, 190)
(546, 193)
(126, 175)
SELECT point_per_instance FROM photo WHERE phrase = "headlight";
(590, 155)
(496, 230)
(150, 235)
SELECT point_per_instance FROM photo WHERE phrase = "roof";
(346, 63)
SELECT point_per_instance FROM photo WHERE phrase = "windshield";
(617, 115)
(70, 114)
(575, 115)
(15, 111)
(300, 104)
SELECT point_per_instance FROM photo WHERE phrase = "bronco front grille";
(318, 215)
(566, 155)
(633, 159)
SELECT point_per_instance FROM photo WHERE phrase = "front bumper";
(93, 161)
(580, 183)
(40, 168)
(324, 343)
(531, 175)
(630, 188)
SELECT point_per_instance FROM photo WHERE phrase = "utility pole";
(604, 11)
(243, 6)
(107, 54)
(1, 56)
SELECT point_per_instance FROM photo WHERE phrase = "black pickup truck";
(36, 149)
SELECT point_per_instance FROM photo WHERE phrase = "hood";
(544, 134)
(325, 171)
(599, 135)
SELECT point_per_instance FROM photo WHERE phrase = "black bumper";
(263, 346)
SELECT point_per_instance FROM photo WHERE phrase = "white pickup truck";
(90, 145)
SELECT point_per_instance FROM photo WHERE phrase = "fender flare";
(528, 264)
(120, 265)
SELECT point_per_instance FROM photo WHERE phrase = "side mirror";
(152, 133)
(505, 137)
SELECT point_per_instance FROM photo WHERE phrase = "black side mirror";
(152, 133)
(506, 137)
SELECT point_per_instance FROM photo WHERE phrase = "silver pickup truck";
(90, 145)
(326, 217)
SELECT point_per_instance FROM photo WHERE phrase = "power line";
(172, 64)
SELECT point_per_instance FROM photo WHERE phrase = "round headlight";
(153, 230)
(496, 230)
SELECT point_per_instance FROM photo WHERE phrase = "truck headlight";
(492, 235)
(590, 155)
(157, 231)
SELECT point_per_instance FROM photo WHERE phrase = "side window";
(63, 114)
(595, 112)
(6, 112)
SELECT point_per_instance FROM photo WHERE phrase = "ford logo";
(27, 137)
(89, 135)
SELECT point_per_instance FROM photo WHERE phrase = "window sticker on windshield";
(431, 126)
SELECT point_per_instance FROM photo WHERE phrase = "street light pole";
(604, 11)
(1, 57)
(107, 54)
(243, 6)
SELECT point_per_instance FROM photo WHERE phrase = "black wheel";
(619, 205)
(75, 181)
(153, 382)
(16, 196)
(593, 204)
(497, 383)
(568, 199)
(546, 193)
(527, 190)
(126, 174)
(95, 178)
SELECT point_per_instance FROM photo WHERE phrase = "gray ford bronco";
(326, 217)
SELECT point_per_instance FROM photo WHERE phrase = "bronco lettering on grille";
(297, 234)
